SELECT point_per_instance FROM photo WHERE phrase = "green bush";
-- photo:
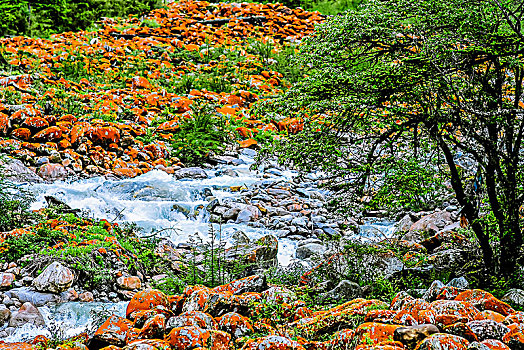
(200, 135)
(14, 205)
(42, 18)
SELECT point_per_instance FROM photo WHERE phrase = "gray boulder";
(514, 297)
(56, 278)
(27, 294)
(14, 170)
(345, 290)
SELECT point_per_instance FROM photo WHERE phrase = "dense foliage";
(14, 204)
(390, 88)
(22, 17)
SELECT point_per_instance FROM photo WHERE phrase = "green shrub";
(199, 135)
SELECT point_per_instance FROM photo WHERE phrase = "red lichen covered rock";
(517, 317)
(140, 83)
(515, 338)
(145, 300)
(272, 342)
(50, 134)
(236, 325)
(338, 317)
(374, 333)
(16, 346)
(193, 318)
(113, 330)
(192, 337)
(494, 344)
(483, 300)
(35, 123)
(442, 341)
(169, 126)
(22, 134)
(154, 328)
(148, 344)
(414, 306)
(104, 134)
(341, 339)
(490, 315)
(454, 308)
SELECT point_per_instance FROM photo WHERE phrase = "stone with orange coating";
(272, 342)
(145, 300)
(442, 341)
(113, 331)
(235, 324)
(374, 333)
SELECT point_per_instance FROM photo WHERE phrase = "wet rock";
(28, 313)
(52, 172)
(514, 297)
(411, 336)
(244, 215)
(488, 329)
(28, 294)
(86, 297)
(264, 250)
(6, 280)
(5, 314)
(56, 278)
(433, 290)
(191, 173)
(279, 295)
(460, 283)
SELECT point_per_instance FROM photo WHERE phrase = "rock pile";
(249, 314)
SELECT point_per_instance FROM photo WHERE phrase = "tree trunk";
(510, 241)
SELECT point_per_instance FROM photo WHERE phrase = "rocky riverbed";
(267, 216)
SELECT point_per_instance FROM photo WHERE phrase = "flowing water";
(157, 201)
(67, 320)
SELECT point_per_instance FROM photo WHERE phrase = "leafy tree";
(398, 74)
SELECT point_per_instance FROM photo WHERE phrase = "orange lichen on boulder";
(145, 300)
